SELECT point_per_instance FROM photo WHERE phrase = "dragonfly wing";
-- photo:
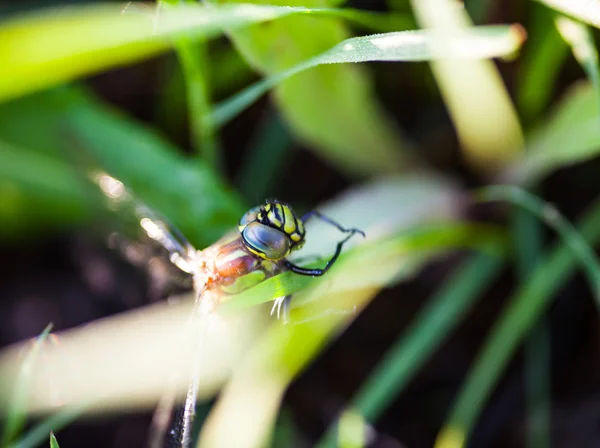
(155, 226)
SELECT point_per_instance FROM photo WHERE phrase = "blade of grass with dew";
(542, 57)
(74, 126)
(422, 338)
(193, 58)
(585, 11)
(16, 411)
(403, 46)
(581, 40)
(69, 42)
(484, 117)
(570, 135)
(547, 213)
(523, 310)
(268, 152)
(352, 119)
(38, 434)
(527, 242)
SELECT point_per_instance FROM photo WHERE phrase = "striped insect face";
(272, 231)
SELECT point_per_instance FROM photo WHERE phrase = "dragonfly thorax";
(272, 231)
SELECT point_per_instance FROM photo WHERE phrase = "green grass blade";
(570, 135)
(72, 126)
(553, 218)
(427, 332)
(269, 151)
(353, 119)
(38, 434)
(17, 406)
(70, 42)
(422, 240)
(404, 46)
(524, 309)
(193, 57)
(541, 60)
(581, 40)
(538, 385)
(478, 102)
(526, 228)
(53, 441)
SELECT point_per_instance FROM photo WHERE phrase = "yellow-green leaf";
(45, 48)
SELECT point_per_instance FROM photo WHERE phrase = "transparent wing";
(157, 227)
(182, 254)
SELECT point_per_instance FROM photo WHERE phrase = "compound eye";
(249, 216)
(266, 241)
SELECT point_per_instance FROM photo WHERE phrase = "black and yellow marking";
(258, 224)
(282, 217)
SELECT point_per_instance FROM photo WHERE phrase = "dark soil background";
(49, 279)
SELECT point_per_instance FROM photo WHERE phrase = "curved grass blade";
(38, 434)
(422, 240)
(524, 309)
(16, 411)
(552, 217)
(403, 46)
(477, 100)
(353, 118)
(429, 329)
(69, 42)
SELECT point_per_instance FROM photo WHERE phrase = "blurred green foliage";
(55, 134)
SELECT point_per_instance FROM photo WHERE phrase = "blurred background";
(530, 118)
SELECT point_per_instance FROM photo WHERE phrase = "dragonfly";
(257, 250)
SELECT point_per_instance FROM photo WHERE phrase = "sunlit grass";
(50, 142)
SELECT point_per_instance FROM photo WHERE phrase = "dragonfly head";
(271, 231)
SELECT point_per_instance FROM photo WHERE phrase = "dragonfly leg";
(318, 272)
(338, 249)
(330, 221)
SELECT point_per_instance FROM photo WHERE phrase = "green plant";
(54, 134)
